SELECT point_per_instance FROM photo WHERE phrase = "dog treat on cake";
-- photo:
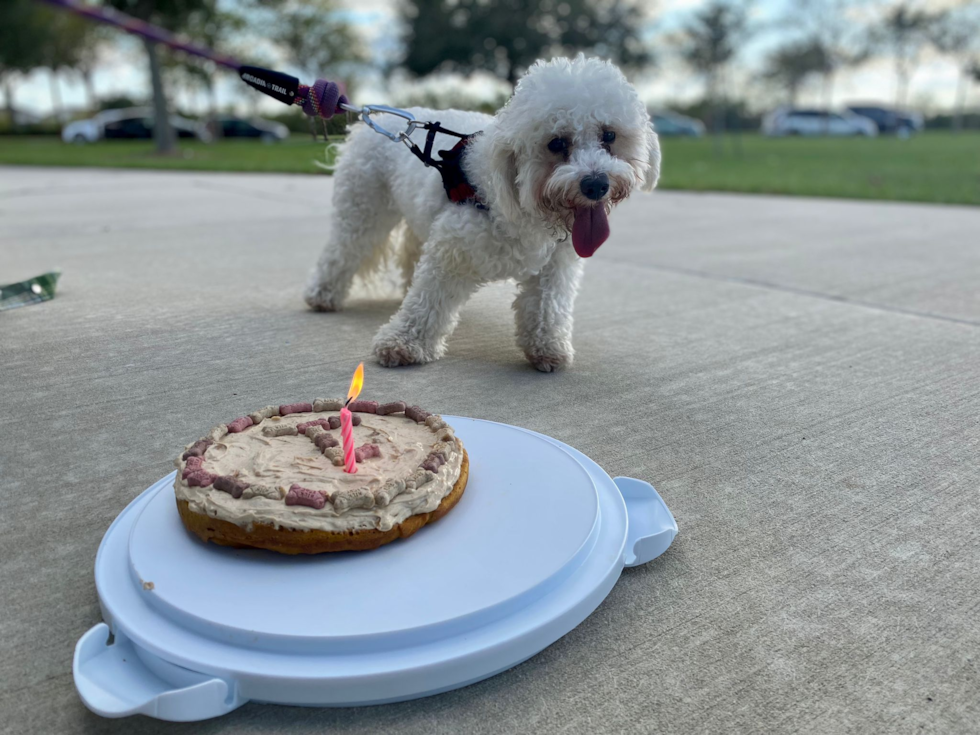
(264, 413)
(275, 478)
(328, 404)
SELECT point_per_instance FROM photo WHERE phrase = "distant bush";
(971, 121)
(298, 122)
(450, 99)
(42, 127)
(121, 102)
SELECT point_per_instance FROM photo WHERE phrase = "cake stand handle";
(113, 681)
(651, 524)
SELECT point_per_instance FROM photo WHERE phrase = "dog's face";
(573, 141)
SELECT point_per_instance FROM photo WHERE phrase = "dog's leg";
(417, 333)
(362, 219)
(543, 310)
(408, 256)
(352, 241)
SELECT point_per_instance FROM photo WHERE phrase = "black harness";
(450, 166)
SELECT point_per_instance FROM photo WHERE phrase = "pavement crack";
(769, 285)
(264, 195)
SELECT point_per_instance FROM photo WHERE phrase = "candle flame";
(356, 383)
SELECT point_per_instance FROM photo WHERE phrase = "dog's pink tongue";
(590, 230)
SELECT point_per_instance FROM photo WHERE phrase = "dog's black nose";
(595, 187)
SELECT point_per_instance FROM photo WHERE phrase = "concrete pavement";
(799, 379)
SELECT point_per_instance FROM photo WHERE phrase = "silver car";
(131, 123)
(817, 122)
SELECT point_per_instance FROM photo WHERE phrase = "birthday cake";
(280, 479)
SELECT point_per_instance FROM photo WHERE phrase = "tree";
(710, 40)
(903, 33)
(791, 65)
(956, 34)
(175, 16)
(219, 30)
(86, 62)
(22, 35)
(507, 36)
(313, 37)
(68, 42)
(34, 36)
(838, 41)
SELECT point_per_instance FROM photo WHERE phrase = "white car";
(817, 122)
(131, 123)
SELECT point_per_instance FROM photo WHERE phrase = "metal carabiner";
(365, 111)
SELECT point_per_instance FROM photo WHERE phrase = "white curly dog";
(574, 140)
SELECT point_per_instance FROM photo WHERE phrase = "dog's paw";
(393, 352)
(321, 298)
(549, 362)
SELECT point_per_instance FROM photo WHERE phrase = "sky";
(122, 68)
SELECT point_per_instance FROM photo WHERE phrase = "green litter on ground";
(32, 291)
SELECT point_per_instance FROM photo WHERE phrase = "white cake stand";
(195, 630)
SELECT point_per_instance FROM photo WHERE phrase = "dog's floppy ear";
(503, 177)
(653, 153)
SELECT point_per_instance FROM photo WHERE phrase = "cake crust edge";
(294, 541)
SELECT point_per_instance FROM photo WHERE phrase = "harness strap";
(425, 156)
(429, 140)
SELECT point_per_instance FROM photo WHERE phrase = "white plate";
(534, 545)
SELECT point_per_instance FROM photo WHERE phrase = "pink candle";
(347, 435)
(346, 425)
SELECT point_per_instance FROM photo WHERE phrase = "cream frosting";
(271, 464)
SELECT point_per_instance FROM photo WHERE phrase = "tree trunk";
(902, 83)
(57, 106)
(8, 97)
(163, 132)
(89, 84)
(214, 123)
(828, 98)
(714, 105)
(960, 100)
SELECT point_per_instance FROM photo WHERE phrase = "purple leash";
(321, 99)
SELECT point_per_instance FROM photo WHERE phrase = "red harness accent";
(458, 188)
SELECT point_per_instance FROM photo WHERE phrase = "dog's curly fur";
(449, 250)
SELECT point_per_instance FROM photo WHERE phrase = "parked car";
(817, 122)
(265, 130)
(890, 120)
(131, 123)
(666, 122)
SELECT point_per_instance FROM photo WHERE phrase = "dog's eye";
(608, 136)
(558, 145)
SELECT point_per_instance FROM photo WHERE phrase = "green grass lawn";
(935, 167)
(295, 155)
